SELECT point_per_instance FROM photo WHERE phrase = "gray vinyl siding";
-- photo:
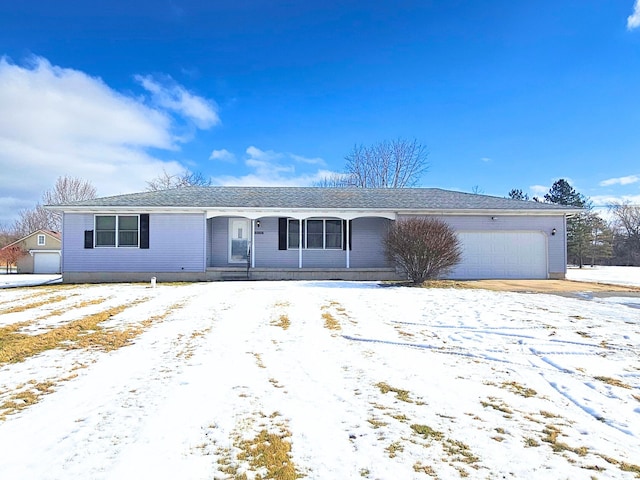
(176, 244)
(367, 237)
(530, 223)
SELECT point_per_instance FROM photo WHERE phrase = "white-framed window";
(317, 233)
(41, 240)
(117, 230)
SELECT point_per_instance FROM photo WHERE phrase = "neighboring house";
(213, 233)
(42, 252)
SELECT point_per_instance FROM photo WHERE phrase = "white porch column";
(252, 248)
(300, 243)
(347, 246)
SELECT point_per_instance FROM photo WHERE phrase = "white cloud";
(58, 121)
(263, 155)
(485, 159)
(309, 161)
(270, 168)
(538, 189)
(222, 155)
(633, 20)
(171, 96)
(629, 179)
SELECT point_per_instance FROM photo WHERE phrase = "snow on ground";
(363, 381)
(611, 275)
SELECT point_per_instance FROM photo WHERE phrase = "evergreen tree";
(517, 194)
(562, 193)
(583, 228)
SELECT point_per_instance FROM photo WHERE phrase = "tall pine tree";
(582, 227)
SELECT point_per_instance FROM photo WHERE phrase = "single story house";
(42, 252)
(217, 233)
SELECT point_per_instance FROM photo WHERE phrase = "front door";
(239, 230)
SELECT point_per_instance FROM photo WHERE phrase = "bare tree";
(66, 190)
(389, 164)
(166, 181)
(10, 255)
(423, 248)
(627, 223)
(7, 235)
(334, 180)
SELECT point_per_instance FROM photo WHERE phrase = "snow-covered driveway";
(361, 381)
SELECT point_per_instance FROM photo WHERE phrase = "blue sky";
(504, 94)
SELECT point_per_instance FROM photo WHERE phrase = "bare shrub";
(423, 248)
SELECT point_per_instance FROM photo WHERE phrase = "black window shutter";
(88, 239)
(282, 233)
(144, 230)
(344, 235)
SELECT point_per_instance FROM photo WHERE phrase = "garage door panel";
(46, 262)
(502, 255)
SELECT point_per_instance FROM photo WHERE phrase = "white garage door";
(502, 255)
(46, 262)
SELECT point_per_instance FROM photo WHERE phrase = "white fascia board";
(127, 209)
(492, 212)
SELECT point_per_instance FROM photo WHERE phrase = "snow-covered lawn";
(612, 275)
(360, 380)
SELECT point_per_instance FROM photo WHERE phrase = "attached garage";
(502, 254)
(46, 262)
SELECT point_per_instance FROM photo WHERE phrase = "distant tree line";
(591, 239)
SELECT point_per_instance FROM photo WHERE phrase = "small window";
(41, 240)
(117, 231)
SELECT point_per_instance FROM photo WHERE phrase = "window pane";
(315, 234)
(127, 231)
(294, 233)
(105, 238)
(314, 226)
(334, 226)
(106, 222)
(106, 231)
(127, 239)
(334, 234)
(127, 223)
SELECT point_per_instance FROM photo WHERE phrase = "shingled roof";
(410, 199)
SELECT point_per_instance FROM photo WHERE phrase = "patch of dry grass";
(518, 389)
(282, 322)
(624, 466)
(84, 333)
(402, 395)
(29, 394)
(497, 404)
(332, 313)
(551, 437)
(266, 455)
(29, 306)
(613, 381)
